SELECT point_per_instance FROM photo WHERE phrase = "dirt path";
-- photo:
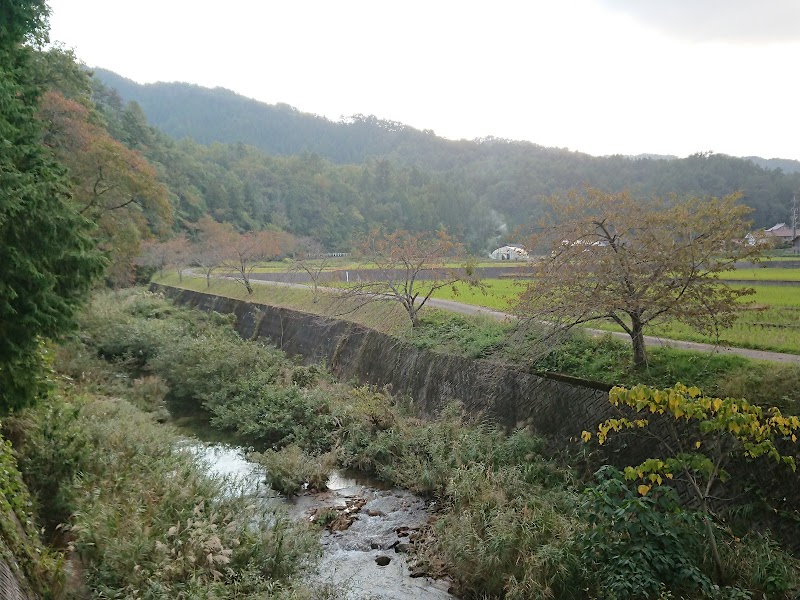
(651, 341)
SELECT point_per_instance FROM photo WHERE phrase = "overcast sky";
(599, 76)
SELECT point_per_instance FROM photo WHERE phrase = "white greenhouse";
(509, 253)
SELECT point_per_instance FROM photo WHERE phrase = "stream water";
(365, 559)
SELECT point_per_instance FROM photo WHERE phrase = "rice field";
(770, 320)
(759, 274)
(346, 263)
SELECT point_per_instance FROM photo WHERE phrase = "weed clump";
(291, 470)
(146, 519)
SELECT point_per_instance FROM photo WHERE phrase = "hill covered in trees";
(505, 179)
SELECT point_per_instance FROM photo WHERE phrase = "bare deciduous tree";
(244, 252)
(175, 252)
(209, 252)
(637, 263)
(408, 268)
(310, 258)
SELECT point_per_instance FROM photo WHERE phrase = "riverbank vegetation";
(512, 522)
(602, 358)
(137, 514)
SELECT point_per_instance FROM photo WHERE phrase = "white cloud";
(754, 21)
(572, 74)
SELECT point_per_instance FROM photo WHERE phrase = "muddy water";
(381, 522)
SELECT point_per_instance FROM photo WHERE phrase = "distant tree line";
(497, 181)
(137, 183)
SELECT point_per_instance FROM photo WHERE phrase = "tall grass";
(510, 519)
(147, 520)
(37, 567)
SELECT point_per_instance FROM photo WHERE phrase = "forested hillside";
(785, 164)
(503, 178)
(329, 181)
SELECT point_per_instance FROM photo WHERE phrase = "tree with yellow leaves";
(699, 436)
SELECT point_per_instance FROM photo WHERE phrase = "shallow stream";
(380, 523)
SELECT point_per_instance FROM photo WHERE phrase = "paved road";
(469, 309)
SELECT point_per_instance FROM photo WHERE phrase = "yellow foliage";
(753, 434)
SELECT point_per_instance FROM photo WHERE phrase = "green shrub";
(305, 376)
(291, 470)
(206, 370)
(652, 546)
(473, 337)
(637, 545)
(276, 416)
(149, 393)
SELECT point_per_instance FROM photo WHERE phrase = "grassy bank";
(37, 569)
(140, 517)
(512, 522)
(604, 359)
(608, 359)
(388, 317)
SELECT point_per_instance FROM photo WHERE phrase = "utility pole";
(795, 245)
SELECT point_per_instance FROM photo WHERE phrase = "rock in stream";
(367, 529)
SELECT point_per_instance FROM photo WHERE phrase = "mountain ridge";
(279, 115)
(507, 179)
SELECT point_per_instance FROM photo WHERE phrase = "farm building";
(783, 234)
(509, 253)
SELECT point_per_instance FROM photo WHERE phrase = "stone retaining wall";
(12, 582)
(555, 406)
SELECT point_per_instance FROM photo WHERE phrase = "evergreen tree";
(47, 258)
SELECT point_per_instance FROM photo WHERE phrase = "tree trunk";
(637, 338)
(712, 544)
